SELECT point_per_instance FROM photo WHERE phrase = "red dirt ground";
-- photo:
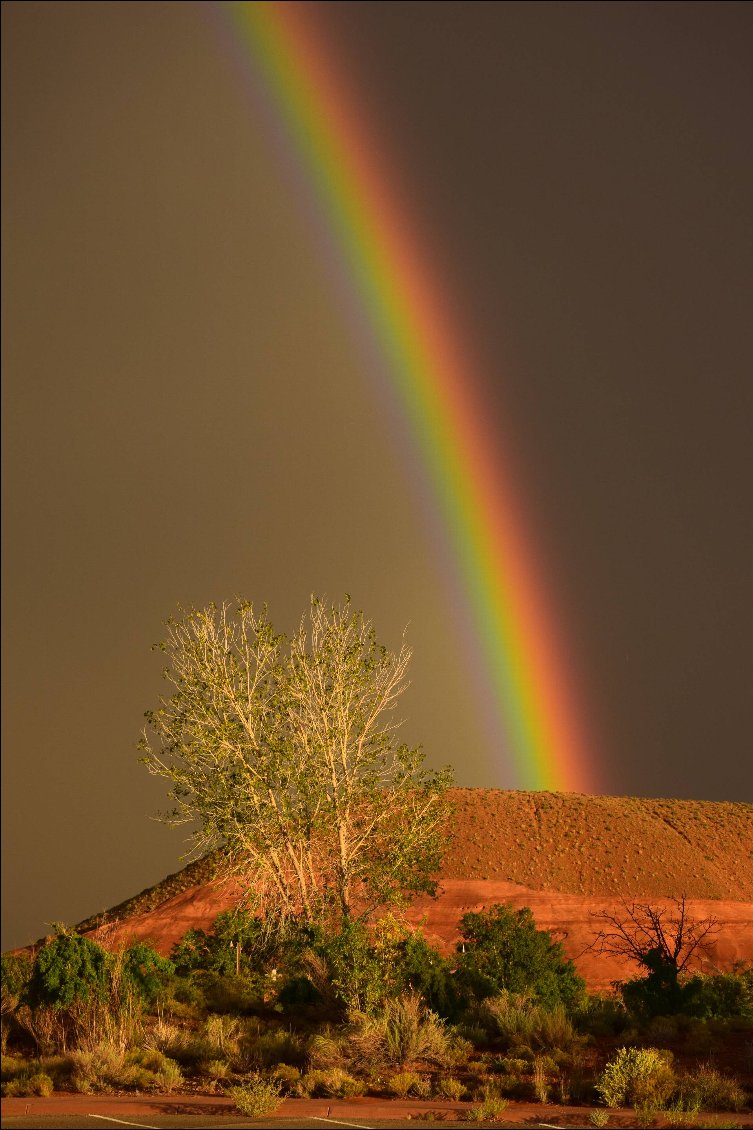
(565, 856)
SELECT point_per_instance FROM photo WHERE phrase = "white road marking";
(141, 1125)
(358, 1125)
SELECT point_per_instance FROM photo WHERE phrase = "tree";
(284, 754)
(663, 944)
(503, 950)
(653, 937)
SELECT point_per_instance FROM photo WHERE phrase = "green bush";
(333, 1083)
(146, 971)
(29, 1083)
(491, 1110)
(402, 1083)
(269, 1048)
(450, 1088)
(288, 1077)
(256, 1097)
(517, 1020)
(226, 993)
(503, 950)
(68, 969)
(722, 996)
(637, 1076)
(709, 1089)
(324, 1050)
(15, 974)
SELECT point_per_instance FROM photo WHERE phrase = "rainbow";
(523, 665)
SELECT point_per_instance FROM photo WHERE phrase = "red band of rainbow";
(524, 663)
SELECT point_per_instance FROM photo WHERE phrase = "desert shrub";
(709, 1089)
(412, 1032)
(516, 1019)
(598, 1118)
(223, 1033)
(95, 1070)
(333, 1083)
(491, 1110)
(256, 1097)
(169, 1077)
(403, 1031)
(214, 1068)
(637, 1076)
(681, 1112)
(288, 1077)
(645, 1114)
(15, 974)
(402, 1083)
(450, 1088)
(269, 1048)
(477, 1034)
(721, 996)
(226, 993)
(69, 969)
(502, 949)
(600, 1015)
(11, 1066)
(540, 1080)
(324, 1051)
(29, 1083)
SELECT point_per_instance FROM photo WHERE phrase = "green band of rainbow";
(439, 391)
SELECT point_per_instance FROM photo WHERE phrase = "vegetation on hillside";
(282, 752)
(310, 1011)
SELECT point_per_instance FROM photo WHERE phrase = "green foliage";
(191, 953)
(721, 996)
(68, 969)
(15, 974)
(27, 1084)
(357, 974)
(283, 755)
(503, 950)
(359, 968)
(637, 1076)
(403, 1083)
(256, 1097)
(658, 994)
(417, 965)
(240, 943)
(518, 1021)
(450, 1088)
(491, 1110)
(708, 1089)
(146, 971)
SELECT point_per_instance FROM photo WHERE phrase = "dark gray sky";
(186, 416)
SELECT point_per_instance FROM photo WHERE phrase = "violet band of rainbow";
(525, 664)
